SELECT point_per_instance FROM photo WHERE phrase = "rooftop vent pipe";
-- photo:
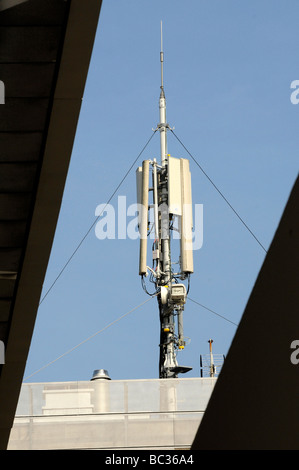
(100, 374)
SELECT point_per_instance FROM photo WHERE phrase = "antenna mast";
(161, 57)
(171, 188)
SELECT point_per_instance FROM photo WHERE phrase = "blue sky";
(228, 66)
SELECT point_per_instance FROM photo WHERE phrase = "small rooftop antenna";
(210, 365)
(171, 194)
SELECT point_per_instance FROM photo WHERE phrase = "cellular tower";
(166, 220)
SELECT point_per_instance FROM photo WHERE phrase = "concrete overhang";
(45, 51)
(254, 405)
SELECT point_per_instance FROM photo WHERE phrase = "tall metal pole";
(212, 367)
(171, 295)
(167, 362)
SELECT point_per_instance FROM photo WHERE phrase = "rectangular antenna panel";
(142, 180)
(174, 186)
(180, 203)
(186, 218)
(139, 191)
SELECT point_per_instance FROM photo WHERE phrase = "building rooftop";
(110, 414)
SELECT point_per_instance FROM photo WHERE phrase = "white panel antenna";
(142, 175)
